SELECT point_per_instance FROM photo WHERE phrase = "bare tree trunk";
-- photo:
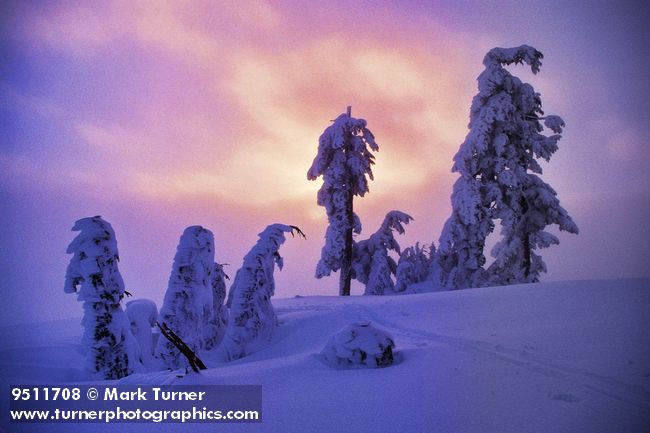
(526, 240)
(527, 257)
(346, 264)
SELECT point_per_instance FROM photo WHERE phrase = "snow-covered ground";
(551, 357)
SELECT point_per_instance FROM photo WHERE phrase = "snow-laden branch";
(517, 55)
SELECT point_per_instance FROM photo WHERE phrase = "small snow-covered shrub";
(372, 264)
(217, 327)
(359, 345)
(142, 314)
(414, 266)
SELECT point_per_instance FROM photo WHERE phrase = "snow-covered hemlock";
(93, 274)
(344, 160)
(413, 266)
(219, 320)
(372, 264)
(498, 163)
(252, 318)
(188, 305)
(142, 314)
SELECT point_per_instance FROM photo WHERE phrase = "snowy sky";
(160, 115)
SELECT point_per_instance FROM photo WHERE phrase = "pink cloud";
(238, 125)
(277, 96)
(79, 28)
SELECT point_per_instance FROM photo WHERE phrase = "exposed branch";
(297, 229)
(192, 358)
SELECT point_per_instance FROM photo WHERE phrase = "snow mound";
(359, 345)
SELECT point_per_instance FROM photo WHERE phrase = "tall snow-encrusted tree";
(93, 274)
(498, 164)
(344, 160)
(188, 305)
(528, 204)
(413, 266)
(252, 318)
(219, 320)
(372, 264)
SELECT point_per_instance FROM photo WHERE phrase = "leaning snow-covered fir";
(414, 266)
(372, 264)
(219, 320)
(93, 274)
(527, 205)
(188, 306)
(142, 314)
(359, 345)
(344, 160)
(498, 165)
(252, 318)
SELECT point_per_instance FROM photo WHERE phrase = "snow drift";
(550, 357)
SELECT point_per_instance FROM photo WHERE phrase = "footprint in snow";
(569, 398)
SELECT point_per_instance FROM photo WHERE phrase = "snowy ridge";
(549, 357)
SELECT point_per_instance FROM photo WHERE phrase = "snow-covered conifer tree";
(527, 203)
(344, 160)
(523, 232)
(413, 266)
(460, 257)
(94, 275)
(252, 318)
(219, 310)
(372, 265)
(188, 306)
(497, 163)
